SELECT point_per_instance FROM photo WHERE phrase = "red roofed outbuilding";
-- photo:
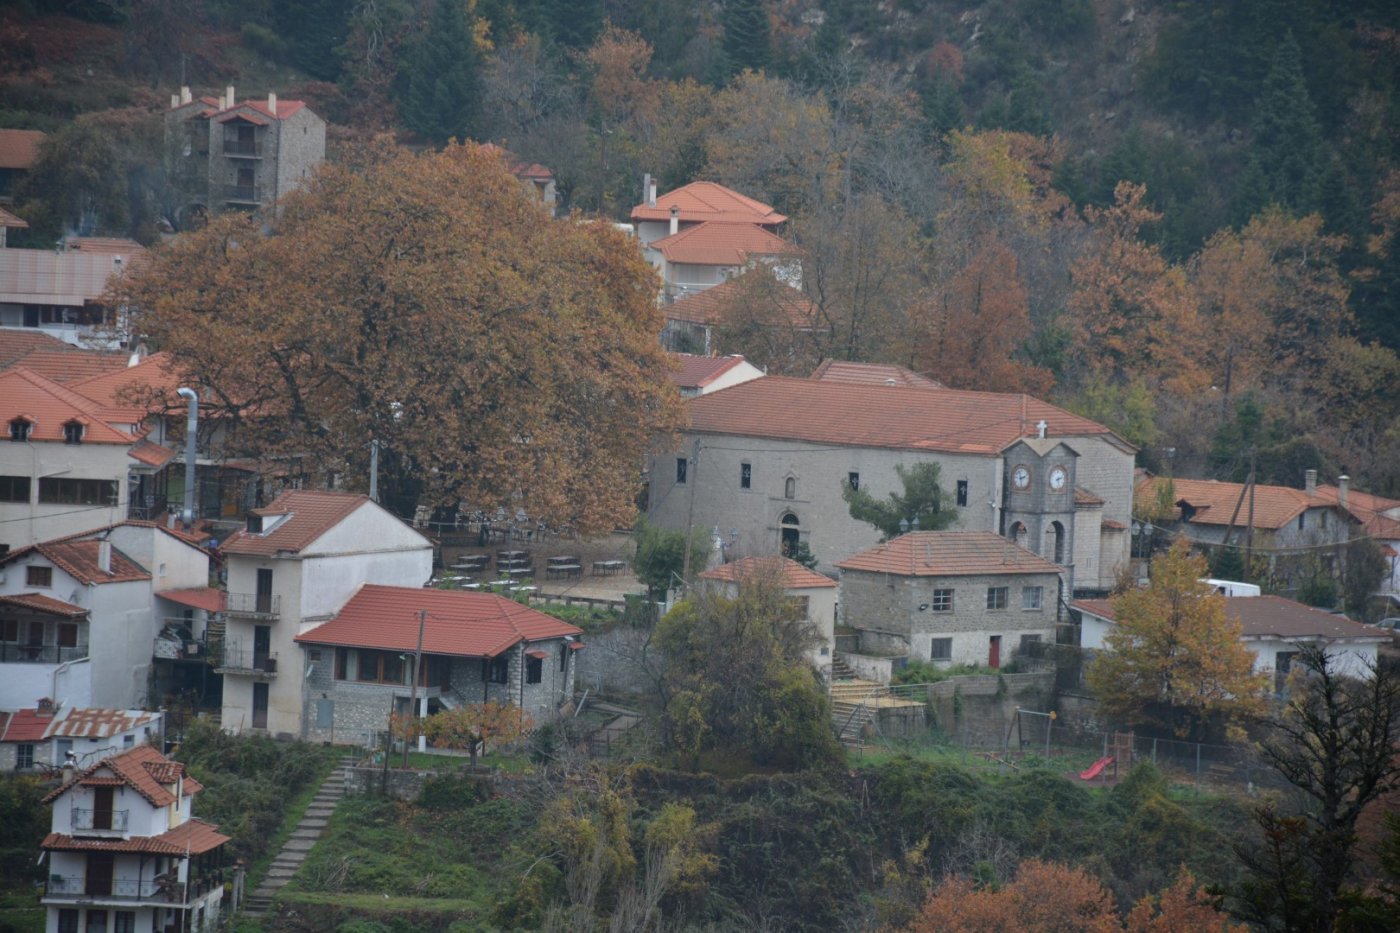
(813, 596)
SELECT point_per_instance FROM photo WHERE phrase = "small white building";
(298, 561)
(1273, 628)
(126, 854)
(813, 595)
(44, 737)
(697, 375)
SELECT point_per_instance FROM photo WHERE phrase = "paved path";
(311, 827)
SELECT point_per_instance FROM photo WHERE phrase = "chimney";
(675, 220)
(70, 767)
(185, 95)
(1310, 482)
(272, 102)
(223, 104)
(43, 707)
(104, 556)
(1343, 484)
(174, 101)
(228, 95)
(651, 193)
(646, 191)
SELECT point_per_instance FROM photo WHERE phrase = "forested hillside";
(1175, 217)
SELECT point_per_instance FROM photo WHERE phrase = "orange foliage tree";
(477, 725)
(426, 301)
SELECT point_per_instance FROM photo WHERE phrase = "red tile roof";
(310, 514)
(702, 201)
(1083, 497)
(37, 602)
(49, 406)
(949, 554)
(712, 305)
(129, 393)
(79, 560)
(522, 170)
(1268, 617)
(1214, 502)
(206, 598)
(26, 725)
(695, 371)
(71, 364)
(473, 625)
(949, 420)
(10, 220)
(134, 767)
(152, 454)
(192, 837)
(720, 244)
(18, 342)
(873, 374)
(19, 148)
(793, 575)
(96, 723)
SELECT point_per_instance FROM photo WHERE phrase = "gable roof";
(948, 554)
(27, 725)
(950, 420)
(47, 605)
(192, 837)
(794, 576)
(97, 723)
(873, 374)
(1367, 508)
(11, 221)
(118, 390)
(1269, 617)
(144, 769)
(19, 149)
(310, 514)
(71, 277)
(18, 342)
(261, 112)
(463, 624)
(49, 406)
(702, 201)
(70, 364)
(1214, 501)
(710, 305)
(78, 559)
(720, 244)
(696, 371)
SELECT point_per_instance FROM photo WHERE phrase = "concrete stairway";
(309, 829)
(851, 709)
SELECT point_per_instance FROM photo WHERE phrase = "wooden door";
(259, 706)
(102, 808)
(994, 651)
(264, 590)
(99, 874)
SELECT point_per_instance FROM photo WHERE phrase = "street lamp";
(1144, 531)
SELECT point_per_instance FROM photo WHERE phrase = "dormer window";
(20, 428)
(255, 524)
(72, 432)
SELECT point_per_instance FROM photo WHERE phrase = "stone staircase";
(310, 828)
(840, 670)
(851, 709)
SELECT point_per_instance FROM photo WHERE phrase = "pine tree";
(443, 90)
(1286, 135)
(747, 43)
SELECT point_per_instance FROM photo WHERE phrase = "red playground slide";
(1096, 768)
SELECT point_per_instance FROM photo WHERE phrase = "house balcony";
(100, 822)
(243, 149)
(261, 607)
(243, 194)
(40, 654)
(252, 664)
(77, 889)
(181, 648)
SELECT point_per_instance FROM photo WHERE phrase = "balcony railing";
(243, 147)
(40, 654)
(100, 821)
(246, 194)
(255, 605)
(252, 664)
(76, 887)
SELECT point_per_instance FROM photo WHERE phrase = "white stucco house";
(813, 595)
(79, 616)
(1273, 628)
(699, 375)
(125, 853)
(298, 561)
(45, 737)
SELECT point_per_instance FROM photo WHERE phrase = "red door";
(994, 651)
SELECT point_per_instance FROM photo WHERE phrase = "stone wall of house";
(980, 710)
(616, 661)
(1106, 470)
(301, 146)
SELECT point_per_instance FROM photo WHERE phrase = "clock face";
(1021, 477)
(1058, 476)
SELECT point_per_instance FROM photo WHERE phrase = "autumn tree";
(769, 322)
(922, 504)
(500, 358)
(1173, 659)
(1334, 742)
(475, 726)
(737, 677)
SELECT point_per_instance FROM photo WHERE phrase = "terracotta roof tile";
(206, 598)
(949, 420)
(948, 554)
(474, 625)
(127, 388)
(702, 201)
(96, 723)
(873, 374)
(49, 406)
(18, 342)
(19, 149)
(696, 371)
(712, 305)
(1083, 497)
(1364, 505)
(71, 364)
(10, 220)
(130, 766)
(37, 602)
(794, 576)
(152, 454)
(26, 725)
(1268, 617)
(1214, 502)
(310, 514)
(78, 559)
(720, 244)
(192, 837)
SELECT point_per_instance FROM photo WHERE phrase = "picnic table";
(565, 565)
(472, 562)
(608, 568)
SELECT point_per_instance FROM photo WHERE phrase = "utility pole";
(1249, 531)
(413, 685)
(692, 474)
(374, 470)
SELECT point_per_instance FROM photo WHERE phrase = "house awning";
(575, 646)
(541, 655)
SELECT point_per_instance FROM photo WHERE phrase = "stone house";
(476, 648)
(1273, 628)
(45, 737)
(125, 852)
(79, 615)
(813, 595)
(766, 462)
(223, 154)
(949, 597)
(293, 567)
